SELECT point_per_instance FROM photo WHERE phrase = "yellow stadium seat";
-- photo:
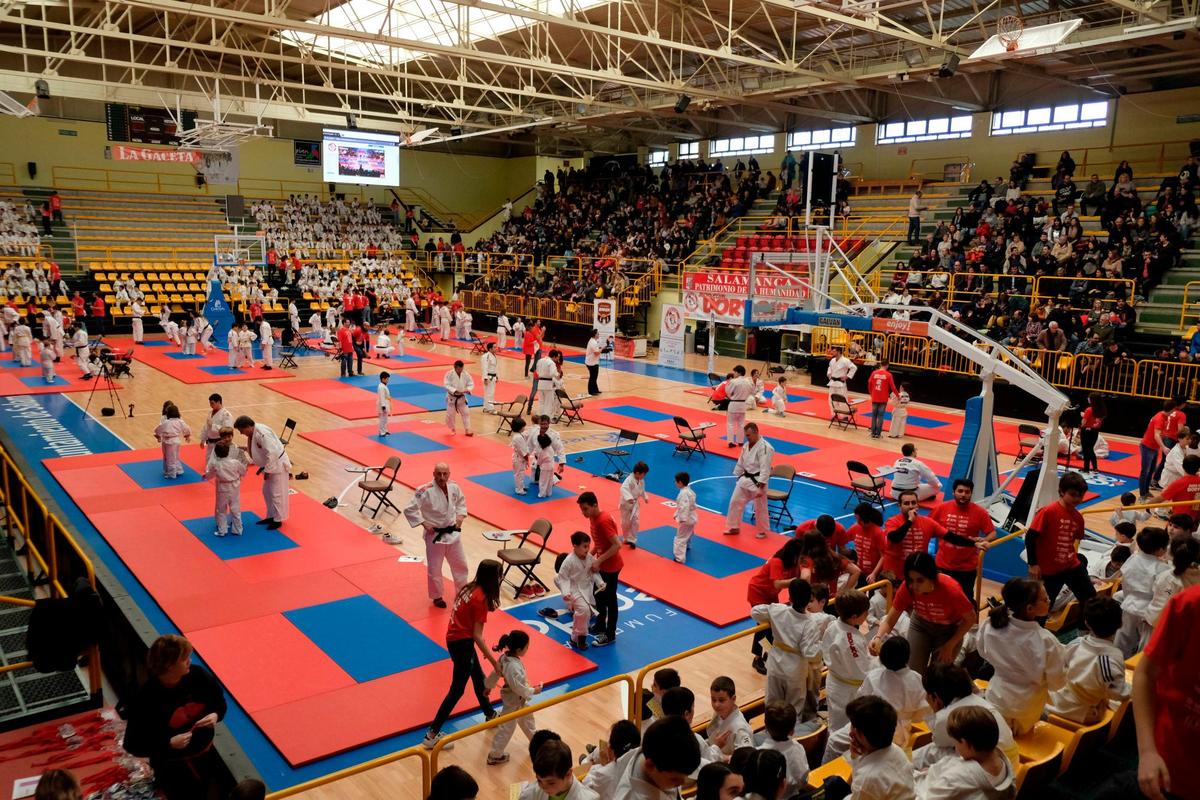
(1035, 773)
(1040, 744)
(1085, 739)
(839, 767)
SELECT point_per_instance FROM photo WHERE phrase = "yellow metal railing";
(371, 766)
(127, 180)
(933, 168)
(1152, 158)
(279, 189)
(8, 174)
(1189, 312)
(544, 308)
(983, 555)
(50, 549)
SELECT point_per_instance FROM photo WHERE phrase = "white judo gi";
(458, 392)
(226, 475)
(267, 453)
(432, 508)
(753, 472)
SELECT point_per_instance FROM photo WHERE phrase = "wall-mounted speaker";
(949, 66)
(32, 167)
(682, 103)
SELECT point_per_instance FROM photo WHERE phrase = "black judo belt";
(438, 533)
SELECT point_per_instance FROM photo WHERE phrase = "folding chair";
(525, 559)
(122, 365)
(424, 336)
(618, 455)
(843, 413)
(690, 439)
(478, 347)
(289, 427)
(714, 380)
(380, 486)
(777, 499)
(1028, 437)
(288, 358)
(572, 409)
(507, 412)
(864, 485)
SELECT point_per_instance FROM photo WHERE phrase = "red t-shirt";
(881, 386)
(1090, 420)
(77, 307)
(1175, 649)
(1187, 488)
(972, 522)
(345, 341)
(604, 536)
(946, 604)
(1174, 422)
(55, 202)
(529, 345)
(1058, 528)
(1157, 422)
(762, 585)
(840, 536)
(916, 540)
(868, 543)
(98, 307)
(466, 613)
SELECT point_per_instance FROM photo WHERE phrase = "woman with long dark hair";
(940, 614)
(823, 567)
(771, 578)
(1089, 431)
(464, 642)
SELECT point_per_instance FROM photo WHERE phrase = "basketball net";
(1009, 29)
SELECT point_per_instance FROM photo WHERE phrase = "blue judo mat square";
(36, 381)
(791, 398)
(154, 343)
(784, 447)
(222, 370)
(503, 482)
(409, 443)
(149, 474)
(913, 420)
(11, 364)
(364, 638)
(711, 558)
(185, 356)
(634, 412)
(255, 541)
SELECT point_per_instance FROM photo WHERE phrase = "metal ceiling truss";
(757, 65)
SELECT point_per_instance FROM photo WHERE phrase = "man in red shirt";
(98, 314)
(969, 521)
(1052, 541)
(606, 547)
(1152, 448)
(1166, 702)
(1186, 488)
(833, 531)
(56, 206)
(1176, 419)
(907, 533)
(881, 388)
(345, 348)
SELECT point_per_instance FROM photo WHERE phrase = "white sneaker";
(391, 538)
(218, 533)
(432, 739)
(760, 535)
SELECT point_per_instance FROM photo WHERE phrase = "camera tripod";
(111, 387)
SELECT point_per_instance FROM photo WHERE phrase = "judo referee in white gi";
(459, 385)
(440, 508)
(753, 472)
(267, 453)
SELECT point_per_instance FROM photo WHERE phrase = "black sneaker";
(759, 666)
(601, 640)
(440, 603)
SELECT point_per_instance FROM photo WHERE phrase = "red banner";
(888, 325)
(122, 153)
(722, 294)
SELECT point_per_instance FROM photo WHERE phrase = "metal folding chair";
(507, 412)
(289, 428)
(843, 413)
(618, 455)
(424, 336)
(478, 347)
(287, 359)
(525, 559)
(572, 409)
(690, 439)
(865, 485)
(777, 499)
(380, 486)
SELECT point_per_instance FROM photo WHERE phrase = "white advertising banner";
(721, 294)
(604, 318)
(671, 336)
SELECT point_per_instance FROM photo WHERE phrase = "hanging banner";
(122, 153)
(222, 168)
(604, 318)
(671, 336)
(722, 294)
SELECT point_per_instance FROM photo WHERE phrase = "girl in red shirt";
(823, 567)
(464, 636)
(940, 614)
(765, 586)
(867, 533)
(1089, 431)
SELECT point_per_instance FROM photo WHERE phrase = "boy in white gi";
(489, 369)
(879, 768)
(685, 516)
(948, 687)
(266, 338)
(978, 769)
(383, 402)
(226, 472)
(899, 413)
(459, 385)
(753, 471)
(579, 582)
(268, 454)
(553, 765)
(1137, 588)
(1095, 666)
(170, 433)
(22, 343)
(383, 344)
(502, 329)
(522, 449)
(190, 333)
(794, 663)
(246, 338)
(314, 322)
(779, 399)
(137, 311)
(633, 495)
(544, 457)
(845, 652)
(899, 686)
(728, 729)
(234, 346)
(515, 693)
(439, 507)
(780, 719)
(46, 351)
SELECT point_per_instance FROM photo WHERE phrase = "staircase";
(61, 244)
(27, 696)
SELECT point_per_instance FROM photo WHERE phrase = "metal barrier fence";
(1147, 378)
(547, 308)
(127, 180)
(390, 784)
(50, 551)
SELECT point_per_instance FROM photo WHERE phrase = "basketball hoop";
(1009, 30)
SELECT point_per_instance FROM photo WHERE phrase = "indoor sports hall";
(448, 400)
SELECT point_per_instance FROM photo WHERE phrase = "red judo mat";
(420, 444)
(355, 398)
(242, 601)
(945, 426)
(18, 380)
(169, 359)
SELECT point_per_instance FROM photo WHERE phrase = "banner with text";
(722, 294)
(604, 319)
(122, 153)
(671, 336)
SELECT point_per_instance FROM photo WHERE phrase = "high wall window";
(1050, 118)
(742, 146)
(924, 130)
(657, 158)
(689, 150)
(822, 139)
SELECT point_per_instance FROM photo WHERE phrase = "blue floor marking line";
(364, 638)
(705, 555)
(637, 412)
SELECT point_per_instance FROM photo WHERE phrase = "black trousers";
(1087, 447)
(466, 668)
(756, 648)
(1076, 579)
(964, 578)
(606, 605)
(202, 777)
(593, 378)
(359, 352)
